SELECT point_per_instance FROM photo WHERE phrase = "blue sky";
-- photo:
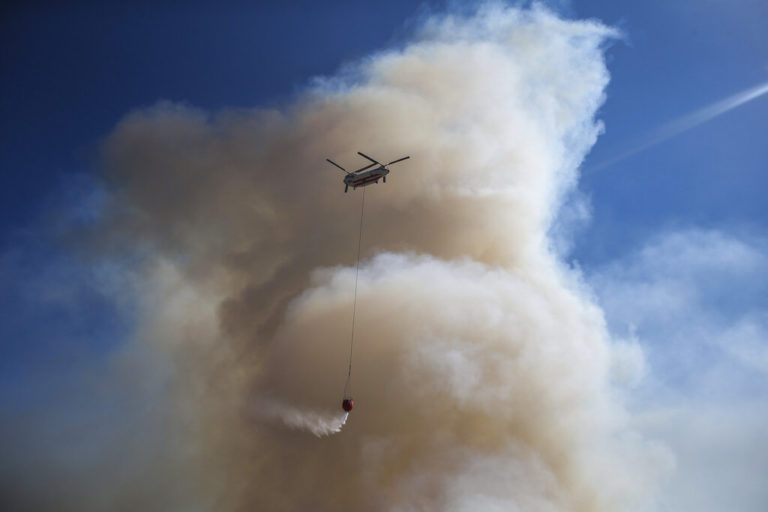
(684, 219)
(680, 56)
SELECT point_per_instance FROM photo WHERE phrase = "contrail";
(686, 122)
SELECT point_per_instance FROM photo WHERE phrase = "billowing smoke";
(481, 371)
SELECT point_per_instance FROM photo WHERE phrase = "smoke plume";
(481, 369)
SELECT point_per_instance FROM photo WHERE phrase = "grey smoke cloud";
(482, 370)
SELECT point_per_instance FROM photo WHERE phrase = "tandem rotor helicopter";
(356, 179)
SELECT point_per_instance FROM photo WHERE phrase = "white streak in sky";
(686, 122)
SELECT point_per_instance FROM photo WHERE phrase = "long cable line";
(348, 385)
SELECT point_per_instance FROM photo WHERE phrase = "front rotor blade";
(337, 165)
(363, 168)
(399, 160)
(366, 156)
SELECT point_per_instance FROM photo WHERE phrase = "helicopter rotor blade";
(398, 160)
(369, 158)
(363, 168)
(337, 165)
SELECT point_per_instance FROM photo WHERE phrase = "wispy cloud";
(694, 301)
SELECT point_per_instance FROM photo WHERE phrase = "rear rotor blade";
(369, 158)
(399, 160)
(337, 165)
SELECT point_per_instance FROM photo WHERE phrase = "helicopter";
(355, 179)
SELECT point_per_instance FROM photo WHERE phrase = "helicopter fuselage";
(366, 178)
(363, 177)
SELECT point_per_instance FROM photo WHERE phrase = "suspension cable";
(348, 386)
